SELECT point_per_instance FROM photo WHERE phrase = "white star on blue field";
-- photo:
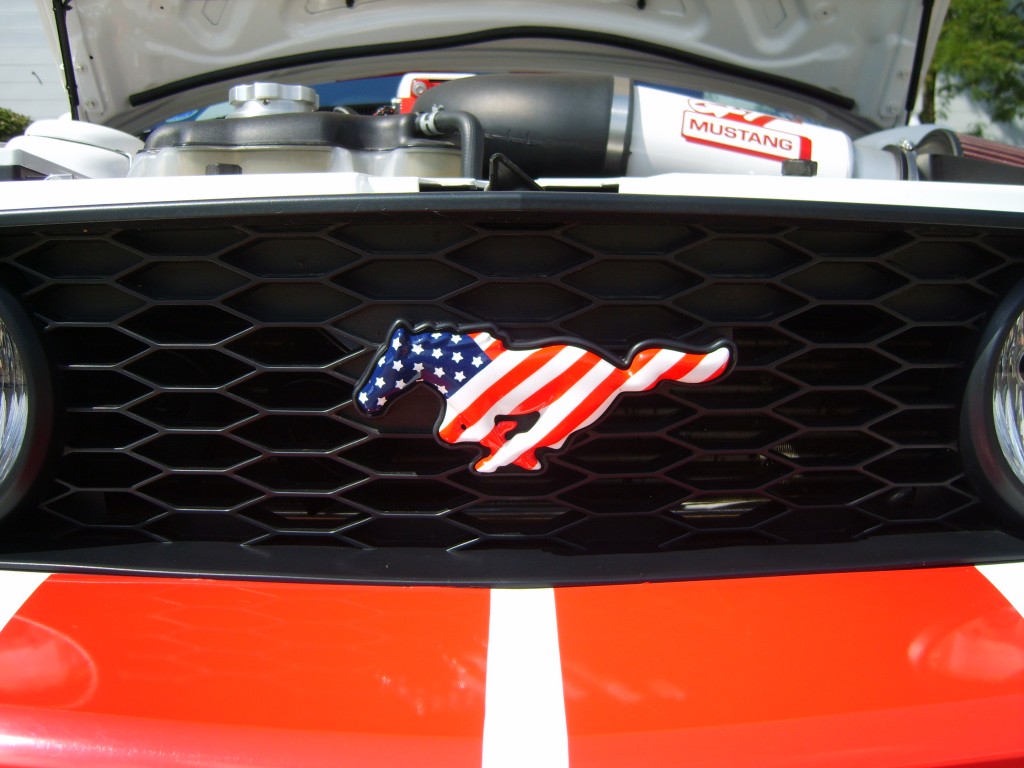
(446, 360)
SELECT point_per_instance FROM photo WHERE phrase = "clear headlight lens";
(992, 420)
(1008, 398)
(14, 402)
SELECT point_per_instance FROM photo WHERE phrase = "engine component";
(943, 155)
(275, 130)
(548, 125)
(258, 99)
(675, 132)
(595, 125)
(575, 126)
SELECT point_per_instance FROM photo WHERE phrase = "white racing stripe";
(524, 717)
(15, 588)
(1008, 578)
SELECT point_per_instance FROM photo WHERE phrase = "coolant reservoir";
(276, 128)
(200, 161)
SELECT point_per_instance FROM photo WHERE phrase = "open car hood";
(136, 61)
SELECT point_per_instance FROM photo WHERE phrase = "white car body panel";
(865, 52)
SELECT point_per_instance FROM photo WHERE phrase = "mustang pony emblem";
(482, 380)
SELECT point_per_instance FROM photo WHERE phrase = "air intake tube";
(603, 126)
(548, 125)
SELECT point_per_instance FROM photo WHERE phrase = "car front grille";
(205, 369)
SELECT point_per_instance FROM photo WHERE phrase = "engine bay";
(502, 131)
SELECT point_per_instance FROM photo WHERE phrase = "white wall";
(964, 115)
(30, 80)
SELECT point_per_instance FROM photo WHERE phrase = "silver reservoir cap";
(271, 99)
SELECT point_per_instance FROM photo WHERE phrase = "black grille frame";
(206, 363)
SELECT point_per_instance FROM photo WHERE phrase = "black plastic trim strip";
(757, 210)
(485, 36)
(520, 568)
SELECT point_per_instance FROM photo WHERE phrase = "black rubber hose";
(471, 136)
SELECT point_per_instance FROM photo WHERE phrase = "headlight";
(13, 401)
(26, 404)
(1007, 402)
(992, 429)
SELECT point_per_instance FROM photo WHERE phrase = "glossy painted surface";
(231, 672)
(902, 668)
(899, 668)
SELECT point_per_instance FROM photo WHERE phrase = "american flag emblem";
(484, 383)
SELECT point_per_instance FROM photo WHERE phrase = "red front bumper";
(897, 668)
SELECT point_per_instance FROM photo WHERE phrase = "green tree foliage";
(12, 124)
(980, 54)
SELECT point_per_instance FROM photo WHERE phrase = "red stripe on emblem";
(559, 385)
(687, 364)
(487, 398)
(920, 667)
(586, 408)
(243, 673)
(494, 346)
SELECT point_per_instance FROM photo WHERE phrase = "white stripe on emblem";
(524, 715)
(1008, 578)
(15, 588)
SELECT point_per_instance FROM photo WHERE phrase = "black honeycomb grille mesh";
(207, 370)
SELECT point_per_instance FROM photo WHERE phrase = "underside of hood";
(132, 60)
